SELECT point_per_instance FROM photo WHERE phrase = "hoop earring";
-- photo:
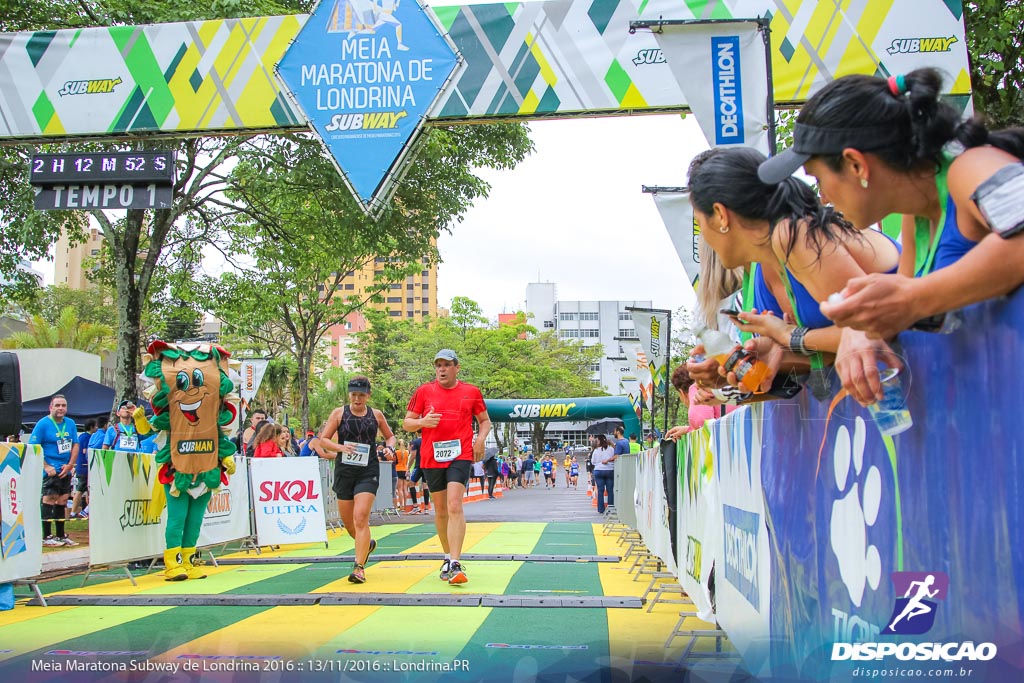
(864, 183)
(724, 229)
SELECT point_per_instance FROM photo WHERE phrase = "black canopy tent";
(85, 399)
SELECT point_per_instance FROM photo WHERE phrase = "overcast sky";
(574, 214)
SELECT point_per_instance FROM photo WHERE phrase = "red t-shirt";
(268, 449)
(458, 406)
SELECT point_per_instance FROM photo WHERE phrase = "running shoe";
(67, 541)
(457, 574)
(446, 570)
(358, 575)
(52, 542)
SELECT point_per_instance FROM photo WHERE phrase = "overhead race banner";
(289, 501)
(522, 60)
(652, 329)
(742, 572)
(21, 535)
(365, 75)
(722, 71)
(564, 410)
(677, 215)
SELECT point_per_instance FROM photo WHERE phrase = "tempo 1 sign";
(103, 180)
(105, 196)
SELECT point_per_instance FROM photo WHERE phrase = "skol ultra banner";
(289, 501)
(21, 536)
(722, 70)
(522, 60)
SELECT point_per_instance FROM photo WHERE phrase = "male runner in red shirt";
(444, 409)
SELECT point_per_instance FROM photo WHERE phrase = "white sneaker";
(66, 541)
(52, 542)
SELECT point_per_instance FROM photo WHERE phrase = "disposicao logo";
(914, 614)
(915, 45)
(728, 90)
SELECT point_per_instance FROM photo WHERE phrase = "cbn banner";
(128, 508)
(699, 519)
(522, 60)
(722, 72)
(289, 501)
(21, 535)
(742, 569)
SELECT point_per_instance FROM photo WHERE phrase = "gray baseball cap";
(447, 354)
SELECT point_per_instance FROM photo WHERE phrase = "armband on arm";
(1001, 200)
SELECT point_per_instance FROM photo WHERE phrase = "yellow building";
(415, 298)
(72, 263)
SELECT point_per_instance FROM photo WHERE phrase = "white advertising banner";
(227, 513)
(742, 572)
(652, 508)
(128, 508)
(652, 329)
(289, 501)
(677, 215)
(638, 362)
(698, 519)
(21, 534)
(722, 71)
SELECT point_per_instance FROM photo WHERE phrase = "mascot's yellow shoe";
(172, 561)
(193, 571)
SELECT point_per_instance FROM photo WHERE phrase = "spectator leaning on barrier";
(271, 442)
(878, 149)
(58, 438)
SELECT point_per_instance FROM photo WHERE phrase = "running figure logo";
(364, 17)
(914, 613)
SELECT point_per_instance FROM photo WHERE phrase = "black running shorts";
(438, 478)
(347, 486)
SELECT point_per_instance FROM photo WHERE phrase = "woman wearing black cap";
(356, 468)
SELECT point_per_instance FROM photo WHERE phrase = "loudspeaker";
(10, 394)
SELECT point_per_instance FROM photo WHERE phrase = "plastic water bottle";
(750, 371)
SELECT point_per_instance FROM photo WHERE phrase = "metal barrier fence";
(625, 489)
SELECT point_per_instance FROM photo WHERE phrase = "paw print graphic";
(855, 512)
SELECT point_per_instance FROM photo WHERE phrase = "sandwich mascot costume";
(192, 411)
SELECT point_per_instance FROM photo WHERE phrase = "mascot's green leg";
(193, 524)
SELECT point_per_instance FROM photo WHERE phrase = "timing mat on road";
(510, 617)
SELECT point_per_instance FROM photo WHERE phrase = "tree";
(997, 59)
(306, 242)
(142, 241)
(68, 332)
(507, 361)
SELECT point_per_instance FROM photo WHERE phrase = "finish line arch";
(564, 410)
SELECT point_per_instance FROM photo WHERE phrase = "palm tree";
(68, 333)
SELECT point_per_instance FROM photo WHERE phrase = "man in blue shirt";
(82, 470)
(621, 445)
(123, 434)
(59, 440)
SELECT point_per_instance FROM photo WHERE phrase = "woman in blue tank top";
(878, 148)
(803, 251)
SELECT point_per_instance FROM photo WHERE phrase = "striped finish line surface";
(299, 619)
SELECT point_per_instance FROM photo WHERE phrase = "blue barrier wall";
(846, 508)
